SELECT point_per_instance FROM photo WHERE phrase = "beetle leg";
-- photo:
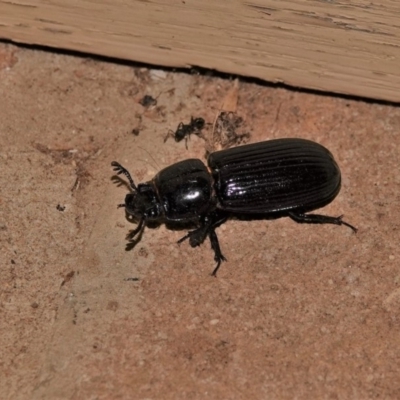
(319, 219)
(137, 231)
(218, 256)
(196, 237)
(208, 223)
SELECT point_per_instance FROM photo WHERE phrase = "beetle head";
(143, 203)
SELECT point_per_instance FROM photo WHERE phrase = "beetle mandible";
(275, 178)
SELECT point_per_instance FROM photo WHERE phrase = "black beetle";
(276, 178)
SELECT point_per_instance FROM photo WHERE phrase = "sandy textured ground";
(297, 311)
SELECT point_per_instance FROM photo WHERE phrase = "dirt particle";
(112, 305)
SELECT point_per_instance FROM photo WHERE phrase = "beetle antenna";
(119, 169)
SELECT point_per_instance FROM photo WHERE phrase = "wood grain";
(350, 48)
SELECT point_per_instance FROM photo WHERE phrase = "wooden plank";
(350, 48)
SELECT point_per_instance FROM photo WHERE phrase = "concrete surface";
(298, 311)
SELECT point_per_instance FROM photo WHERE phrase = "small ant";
(183, 131)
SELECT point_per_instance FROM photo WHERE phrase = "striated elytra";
(271, 179)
